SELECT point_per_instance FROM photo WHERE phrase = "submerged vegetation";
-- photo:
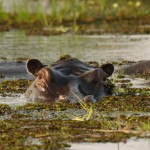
(10, 87)
(78, 16)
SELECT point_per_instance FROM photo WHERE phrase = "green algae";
(9, 87)
(124, 103)
(144, 76)
(51, 106)
(124, 62)
(5, 109)
(15, 134)
(121, 74)
(53, 125)
(21, 59)
(56, 133)
(127, 99)
(65, 57)
(16, 115)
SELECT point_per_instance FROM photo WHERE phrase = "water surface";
(100, 48)
(131, 144)
(103, 48)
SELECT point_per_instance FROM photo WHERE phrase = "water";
(131, 144)
(103, 48)
(100, 48)
(13, 101)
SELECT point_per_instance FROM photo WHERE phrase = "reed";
(72, 13)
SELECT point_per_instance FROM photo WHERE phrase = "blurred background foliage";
(18, 13)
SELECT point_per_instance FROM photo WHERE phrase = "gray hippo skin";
(67, 78)
(142, 67)
(14, 70)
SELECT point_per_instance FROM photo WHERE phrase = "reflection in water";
(132, 144)
(100, 48)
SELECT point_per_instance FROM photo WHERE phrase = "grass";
(87, 108)
(144, 126)
(73, 14)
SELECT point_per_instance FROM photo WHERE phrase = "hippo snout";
(45, 87)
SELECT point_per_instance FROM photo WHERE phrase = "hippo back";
(142, 67)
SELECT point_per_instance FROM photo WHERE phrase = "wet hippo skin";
(142, 67)
(66, 78)
(14, 70)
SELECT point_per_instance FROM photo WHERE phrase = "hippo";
(14, 70)
(67, 78)
(142, 67)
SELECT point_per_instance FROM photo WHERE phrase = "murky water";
(131, 144)
(13, 101)
(101, 48)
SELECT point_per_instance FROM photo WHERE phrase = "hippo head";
(94, 82)
(47, 85)
(54, 83)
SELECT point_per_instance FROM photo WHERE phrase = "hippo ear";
(108, 69)
(97, 75)
(34, 65)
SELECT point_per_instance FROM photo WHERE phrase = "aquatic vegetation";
(52, 125)
(144, 76)
(144, 126)
(16, 132)
(14, 86)
(121, 74)
(51, 106)
(77, 16)
(5, 109)
(124, 103)
(21, 59)
(86, 107)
